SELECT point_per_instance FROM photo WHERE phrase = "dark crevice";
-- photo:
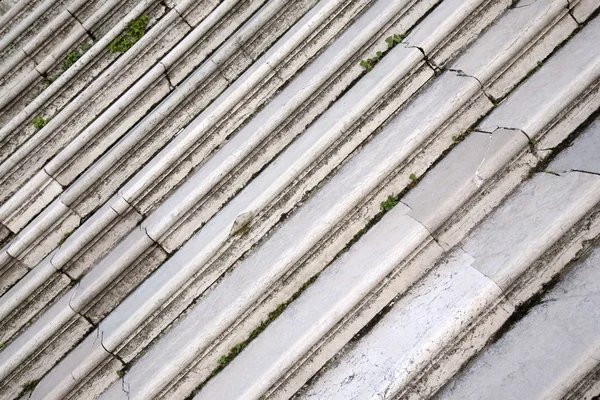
(429, 62)
(567, 142)
(171, 86)
(91, 34)
(489, 96)
(180, 16)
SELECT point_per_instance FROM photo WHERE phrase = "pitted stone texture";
(541, 356)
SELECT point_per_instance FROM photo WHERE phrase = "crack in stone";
(460, 72)
(429, 62)
(165, 71)
(515, 6)
(81, 24)
(178, 13)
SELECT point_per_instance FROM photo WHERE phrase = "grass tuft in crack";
(391, 202)
(39, 122)
(237, 349)
(135, 30)
(392, 41)
(72, 57)
(29, 387)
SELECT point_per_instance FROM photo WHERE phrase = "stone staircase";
(313, 199)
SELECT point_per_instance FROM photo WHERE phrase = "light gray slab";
(207, 241)
(246, 283)
(518, 27)
(562, 78)
(35, 335)
(416, 328)
(74, 367)
(583, 155)
(542, 349)
(459, 175)
(443, 19)
(274, 113)
(339, 288)
(539, 213)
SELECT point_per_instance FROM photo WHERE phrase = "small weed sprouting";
(237, 349)
(39, 122)
(412, 177)
(392, 41)
(368, 64)
(390, 203)
(29, 387)
(65, 237)
(2, 345)
(72, 57)
(135, 30)
(120, 373)
(455, 138)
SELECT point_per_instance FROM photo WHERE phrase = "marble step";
(116, 254)
(552, 351)
(73, 244)
(226, 293)
(27, 150)
(34, 76)
(312, 322)
(21, 287)
(467, 295)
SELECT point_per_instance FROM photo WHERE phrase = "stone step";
(552, 351)
(232, 296)
(465, 294)
(340, 288)
(79, 239)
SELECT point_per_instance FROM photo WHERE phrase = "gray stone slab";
(460, 174)
(517, 28)
(339, 288)
(403, 342)
(562, 78)
(541, 352)
(583, 155)
(539, 213)
(445, 18)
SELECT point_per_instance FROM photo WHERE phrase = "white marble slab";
(539, 354)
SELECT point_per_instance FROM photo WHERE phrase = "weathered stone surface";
(547, 351)
(582, 155)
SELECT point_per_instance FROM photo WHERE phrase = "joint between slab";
(460, 72)
(436, 69)
(91, 34)
(165, 71)
(180, 16)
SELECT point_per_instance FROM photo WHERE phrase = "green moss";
(39, 122)
(2, 345)
(72, 57)
(135, 30)
(29, 387)
(390, 203)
